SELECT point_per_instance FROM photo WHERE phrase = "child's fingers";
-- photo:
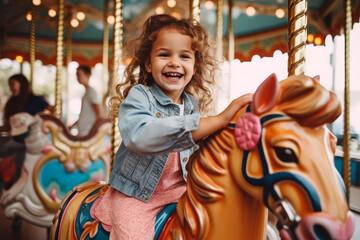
(244, 99)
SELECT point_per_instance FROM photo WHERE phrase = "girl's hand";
(209, 125)
(226, 115)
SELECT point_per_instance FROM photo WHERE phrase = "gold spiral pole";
(68, 60)
(32, 43)
(68, 45)
(59, 60)
(346, 156)
(118, 36)
(297, 22)
(231, 34)
(219, 28)
(105, 55)
(195, 10)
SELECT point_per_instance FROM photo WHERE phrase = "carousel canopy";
(260, 26)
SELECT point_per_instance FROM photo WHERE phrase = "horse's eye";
(286, 155)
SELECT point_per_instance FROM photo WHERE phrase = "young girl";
(159, 121)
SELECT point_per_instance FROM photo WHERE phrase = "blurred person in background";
(22, 99)
(90, 104)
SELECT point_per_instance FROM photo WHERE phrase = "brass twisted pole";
(231, 34)
(297, 22)
(219, 28)
(59, 60)
(118, 32)
(32, 43)
(346, 158)
(195, 10)
(105, 55)
(68, 45)
(68, 60)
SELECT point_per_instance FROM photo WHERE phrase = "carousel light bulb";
(74, 22)
(171, 3)
(310, 38)
(318, 40)
(52, 12)
(280, 13)
(80, 15)
(19, 58)
(159, 10)
(111, 19)
(176, 15)
(250, 11)
(209, 4)
(29, 16)
(36, 2)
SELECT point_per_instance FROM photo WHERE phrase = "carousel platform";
(29, 231)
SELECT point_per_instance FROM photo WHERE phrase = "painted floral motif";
(248, 131)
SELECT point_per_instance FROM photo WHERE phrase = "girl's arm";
(209, 125)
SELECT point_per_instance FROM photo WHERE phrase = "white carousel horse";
(55, 161)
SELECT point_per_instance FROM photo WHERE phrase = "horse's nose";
(321, 226)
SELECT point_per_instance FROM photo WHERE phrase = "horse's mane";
(307, 102)
(210, 159)
(300, 97)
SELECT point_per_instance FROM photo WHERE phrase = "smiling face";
(172, 62)
(14, 86)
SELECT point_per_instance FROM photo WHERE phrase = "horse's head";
(287, 157)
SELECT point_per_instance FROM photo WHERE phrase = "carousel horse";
(54, 162)
(275, 154)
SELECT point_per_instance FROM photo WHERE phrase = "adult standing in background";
(90, 105)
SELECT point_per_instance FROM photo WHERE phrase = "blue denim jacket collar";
(164, 100)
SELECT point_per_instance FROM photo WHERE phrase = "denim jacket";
(151, 128)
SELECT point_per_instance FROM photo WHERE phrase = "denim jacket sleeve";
(144, 132)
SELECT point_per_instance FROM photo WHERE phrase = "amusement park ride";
(276, 154)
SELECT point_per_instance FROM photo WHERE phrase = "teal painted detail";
(83, 217)
(54, 175)
(162, 218)
(355, 169)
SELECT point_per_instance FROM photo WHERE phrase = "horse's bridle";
(283, 209)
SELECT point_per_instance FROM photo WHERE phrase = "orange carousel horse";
(276, 154)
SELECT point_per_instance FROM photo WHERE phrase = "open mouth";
(173, 76)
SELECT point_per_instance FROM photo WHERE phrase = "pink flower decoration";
(247, 131)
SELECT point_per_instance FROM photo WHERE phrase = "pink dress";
(134, 219)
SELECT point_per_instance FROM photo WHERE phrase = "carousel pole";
(59, 60)
(297, 33)
(118, 32)
(346, 136)
(195, 10)
(32, 43)
(231, 50)
(219, 28)
(68, 60)
(231, 34)
(105, 55)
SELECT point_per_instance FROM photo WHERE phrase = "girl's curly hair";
(202, 81)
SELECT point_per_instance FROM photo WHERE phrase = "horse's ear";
(265, 96)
